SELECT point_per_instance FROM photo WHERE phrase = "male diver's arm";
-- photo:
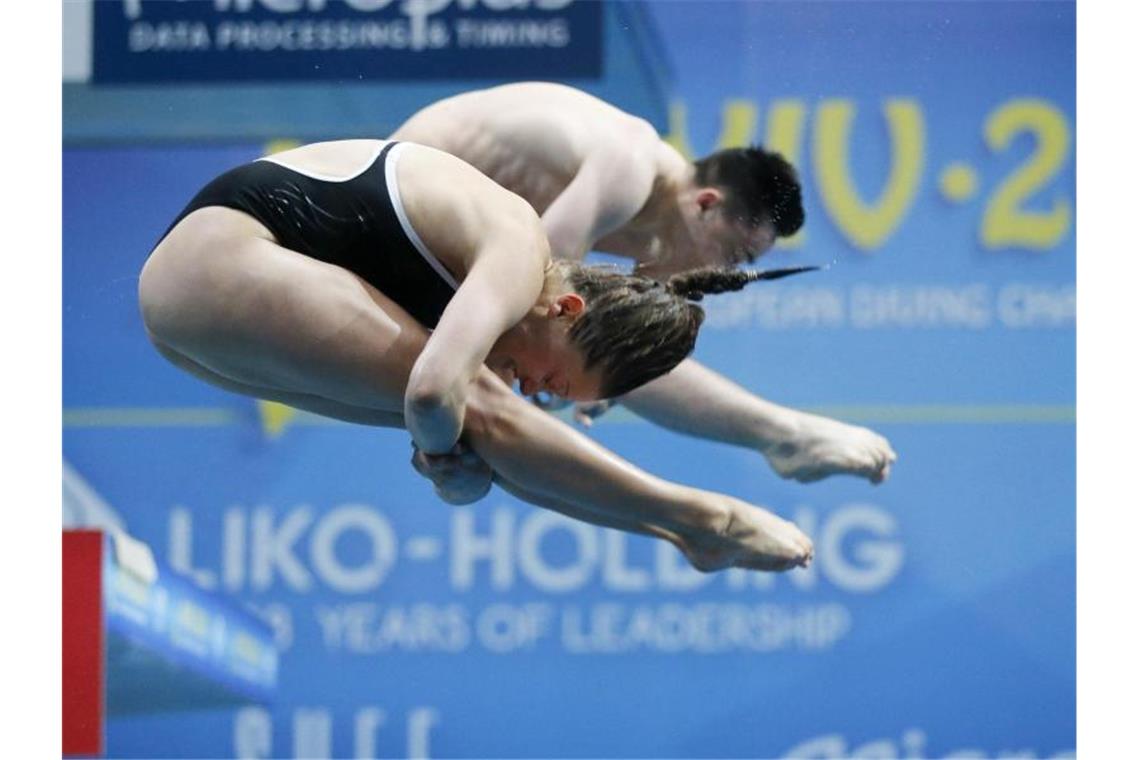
(697, 401)
(609, 189)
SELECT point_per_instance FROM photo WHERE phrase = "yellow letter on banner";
(678, 135)
(739, 126)
(738, 129)
(867, 226)
(1005, 222)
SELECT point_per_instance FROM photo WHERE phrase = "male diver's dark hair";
(636, 329)
(762, 186)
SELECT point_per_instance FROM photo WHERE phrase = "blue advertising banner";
(935, 145)
(137, 41)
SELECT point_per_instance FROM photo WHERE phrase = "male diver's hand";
(460, 476)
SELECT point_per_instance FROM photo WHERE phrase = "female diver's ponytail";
(695, 283)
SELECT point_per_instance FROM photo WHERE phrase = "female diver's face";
(539, 355)
(554, 366)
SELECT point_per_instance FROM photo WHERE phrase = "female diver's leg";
(246, 309)
(702, 553)
(548, 463)
(264, 317)
(307, 402)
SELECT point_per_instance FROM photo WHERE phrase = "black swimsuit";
(357, 223)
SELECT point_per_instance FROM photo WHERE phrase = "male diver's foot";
(821, 447)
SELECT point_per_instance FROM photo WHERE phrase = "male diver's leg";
(694, 400)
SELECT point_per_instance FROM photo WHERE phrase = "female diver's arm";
(504, 281)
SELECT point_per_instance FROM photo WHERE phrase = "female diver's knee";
(152, 306)
(183, 286)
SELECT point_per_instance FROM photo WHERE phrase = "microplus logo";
(413, 9)
(273, 40)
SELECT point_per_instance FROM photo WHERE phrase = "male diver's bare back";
(530, 137)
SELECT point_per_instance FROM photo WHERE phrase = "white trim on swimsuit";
(328, 177)
(398, 205)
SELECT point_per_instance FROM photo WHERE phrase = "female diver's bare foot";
(751, 538)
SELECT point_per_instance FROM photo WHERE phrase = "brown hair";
(636, 329)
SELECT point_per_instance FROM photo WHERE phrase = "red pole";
(83, 656)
